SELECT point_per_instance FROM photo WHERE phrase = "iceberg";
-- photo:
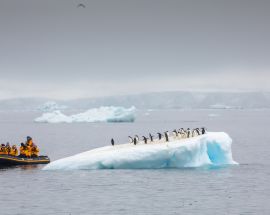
(51, 106)
(102, 114)
(211, 149)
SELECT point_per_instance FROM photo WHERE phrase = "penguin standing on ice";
(112, 142)
(144, 139)
(175, 133)
(181, 132)
(151, 137)
(203, 130)
(166, 136)
(130, 139)
(188, 133)
(159, 136)
(135, 140)
(192, 133)
(195, 132)
(198, 131)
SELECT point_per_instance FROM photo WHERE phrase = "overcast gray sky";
(54, 49)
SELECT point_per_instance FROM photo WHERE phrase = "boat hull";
(8, 160)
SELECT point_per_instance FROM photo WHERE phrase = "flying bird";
(81, 5)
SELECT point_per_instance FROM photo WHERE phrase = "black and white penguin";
(175, 132)
(159, 136)
(181, 132)
(135, 141)
(145, 139)
(130, 139)
(198, 131)
(203, 130)
(151, 137)
(195, 132)
(188, 133)
(137, 137)
(166, 136)
(112, 142)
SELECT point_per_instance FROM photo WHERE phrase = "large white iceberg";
(102, 114)
(51, 106)
(211, 149)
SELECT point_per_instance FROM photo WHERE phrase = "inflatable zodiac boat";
(8, 160)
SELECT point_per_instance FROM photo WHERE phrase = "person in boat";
(23, 150)
(29, 141)
(31, 148)
(34, 151)
(8, 148)
(14, 151)
(112, 142)
(3, 150)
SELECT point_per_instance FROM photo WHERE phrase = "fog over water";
(58, 50)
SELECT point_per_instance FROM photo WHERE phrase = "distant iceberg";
(51, 106)
(102, 114)
(211, 149)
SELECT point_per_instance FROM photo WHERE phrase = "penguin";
(192, 133)
(151, 137)
(175, 133)
(144, 139)
(159, 136)
(179, 132)
(137, 137)
(166, 136)
(203, 130)
(135, 141)
(195, 132)
(130, 139)
(188, 133)
(112, 142)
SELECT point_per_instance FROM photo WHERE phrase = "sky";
(57, 50)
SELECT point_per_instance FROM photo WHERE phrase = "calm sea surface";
(242, 189)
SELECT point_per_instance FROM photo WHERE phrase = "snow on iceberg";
(51, 106)
(102, 114)
(211, 149)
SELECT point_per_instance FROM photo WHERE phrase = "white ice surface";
(51, 106)
(102, 114)
(211, 149)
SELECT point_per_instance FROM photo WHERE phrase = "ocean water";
(241, 189)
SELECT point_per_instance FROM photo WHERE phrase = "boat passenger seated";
(8, 148)
(14, 151)
(29, 141)
(30, 150)
(3, 150)
(34, 151)
(23, 150)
